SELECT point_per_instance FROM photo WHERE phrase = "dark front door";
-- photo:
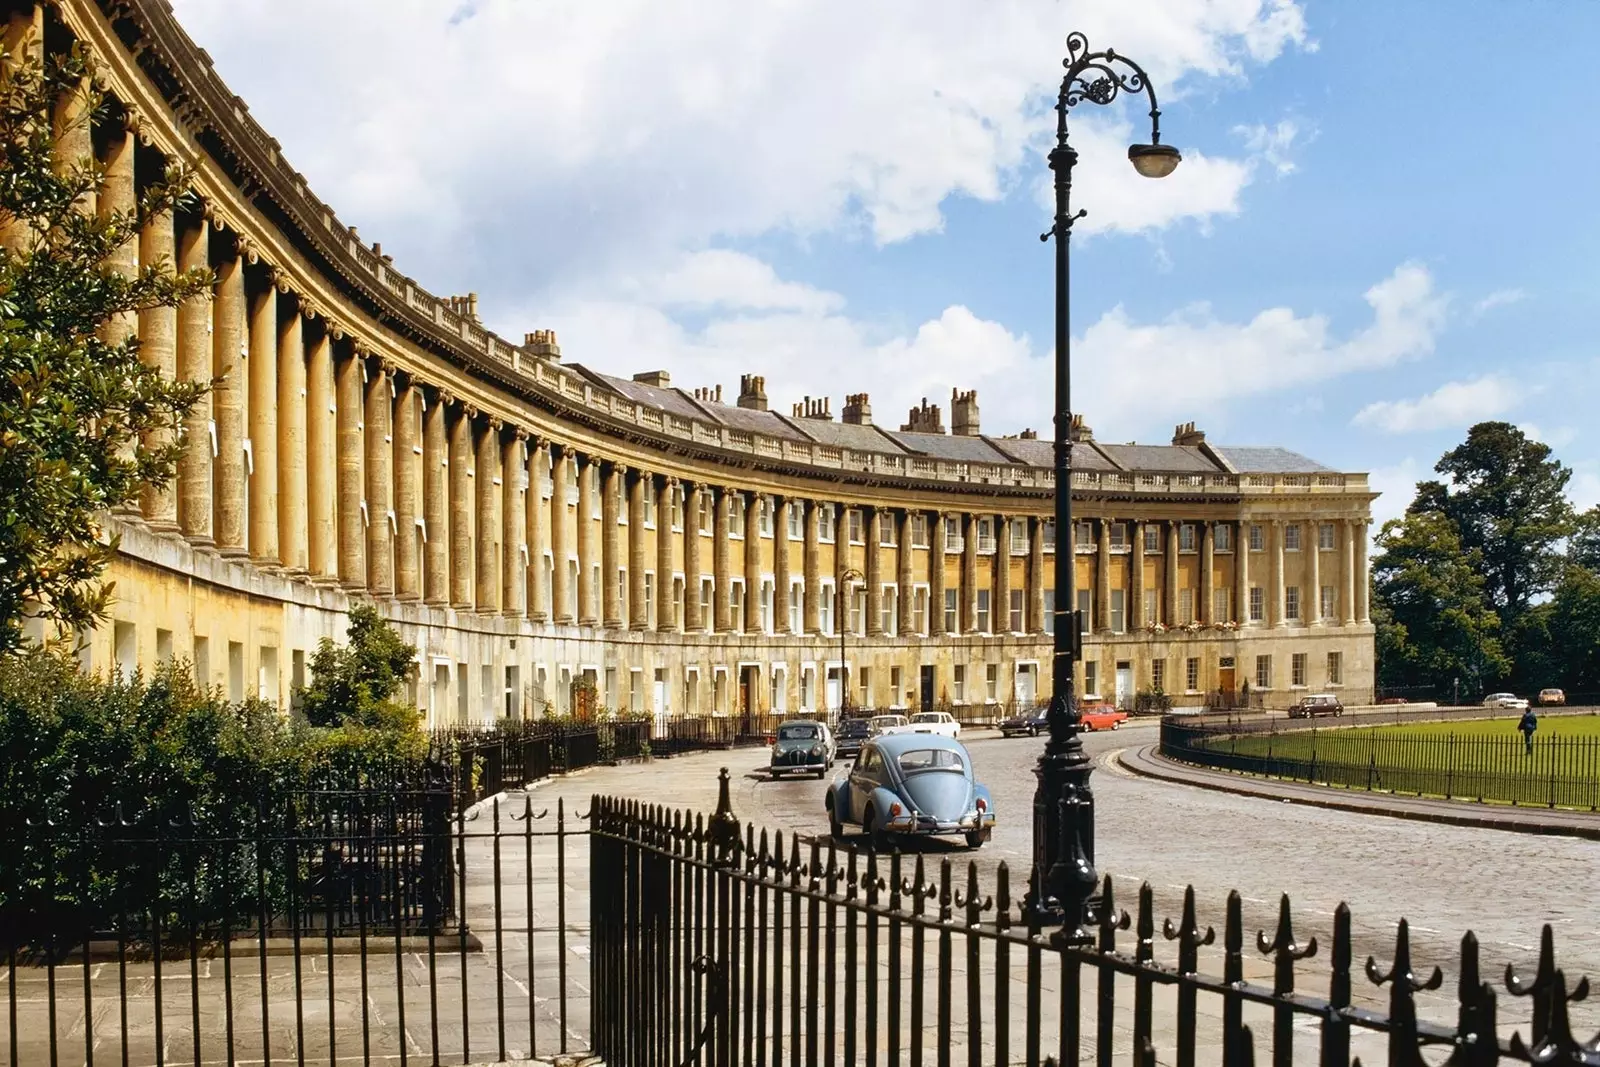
(927, 688)
(747, 697)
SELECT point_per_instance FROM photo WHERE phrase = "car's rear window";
(855, 728)
(917, 760)
(927, 716)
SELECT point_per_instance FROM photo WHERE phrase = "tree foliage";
(1506, 496)
(355, 684)
(77, 410)
(1434, 625)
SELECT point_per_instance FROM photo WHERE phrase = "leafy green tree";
(1433, 623)
(1583, 547)
(75, 407)
(1574, 630)
(1506, 496)
(357, 683)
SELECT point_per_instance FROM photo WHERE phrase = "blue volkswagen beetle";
(911, 784)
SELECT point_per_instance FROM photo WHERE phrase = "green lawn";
(1474, 760)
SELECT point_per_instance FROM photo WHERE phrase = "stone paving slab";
(1146, 760)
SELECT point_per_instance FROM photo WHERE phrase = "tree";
(77, 406)
(356, 683)
(1583, 547)
(1507, 499)
(1574, 629)
(1433, 624)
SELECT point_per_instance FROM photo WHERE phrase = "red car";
(1102, 718)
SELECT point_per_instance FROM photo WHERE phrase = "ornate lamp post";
(1064, 878)
(850, 575)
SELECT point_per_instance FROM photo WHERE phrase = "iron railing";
(718, 944)
(1551, 771)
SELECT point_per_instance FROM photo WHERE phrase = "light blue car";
(919, 784)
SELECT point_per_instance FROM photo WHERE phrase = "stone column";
(1208, 551)
(936, 553)
(752, 564)
(117, 197)
(871, 516)
(1347, 606)
(1102, 579)
(538, 531)
(905, 593)
(24, 40)
(462, 477)
(1135, 574)
(969, 574)
(721, 565)
(514, 525)
(666, 603)
(262, 373)
(158, 348)
(436, 503)
(560, 542)
(407, 493)
(638, 617)
(380, 481)
(1313, 613)
(610, 550)
(694, 612)
(72, 137)
(195, 364)
(1172, 573)
(322, 450)
(352, 525)
(488, 547)
(1036, 575)
(587, 613)
(293, 443)
(1363, 577)
(1275, 609)
(1241, 575)
(227, 403)
(811, 569)
(780, 564)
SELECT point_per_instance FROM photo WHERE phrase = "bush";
(1152, 702)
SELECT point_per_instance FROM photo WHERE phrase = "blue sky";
(1382, 231)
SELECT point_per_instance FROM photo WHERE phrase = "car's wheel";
(1033, 731)
(835, 827)
(877, 840)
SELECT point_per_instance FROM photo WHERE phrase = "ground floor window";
(1263, 672)
(1091, 680)
(1191, 674)
(1158, 675)
(1297, 669)
(1335, 668)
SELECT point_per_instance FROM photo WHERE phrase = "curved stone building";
(531, 523)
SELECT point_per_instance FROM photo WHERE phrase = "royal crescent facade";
(530, 523)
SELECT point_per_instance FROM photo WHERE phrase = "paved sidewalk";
(1147, 761)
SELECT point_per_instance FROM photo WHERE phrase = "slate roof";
(1269, 460)
(846, 435)
(951, 447)
(1158, 457)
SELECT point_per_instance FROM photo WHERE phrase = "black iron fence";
(1551, 770)
(718, 944)
(515, 753)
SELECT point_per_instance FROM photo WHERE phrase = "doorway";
(1124, 685)
(925, 684)
(749, 680)
(832, 695)
(1225, 676)
(1026, 688)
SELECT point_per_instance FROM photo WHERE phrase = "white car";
(1508, 701)
(935, 722)
(889, 724)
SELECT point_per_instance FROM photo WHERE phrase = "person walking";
(1529, 723)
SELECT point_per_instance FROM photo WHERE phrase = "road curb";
(1148, 763)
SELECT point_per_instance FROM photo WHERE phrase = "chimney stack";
(753, 392)
(660, 379)
(1079, 431)
(1029, 435)
(857, 410)
(964, 413)
(925, 418)
(1185, 434)
(708, 394)
(814, 409)
(465, 306)
(541, 344)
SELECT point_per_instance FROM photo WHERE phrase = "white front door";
(1027, 684)
(1124, 686)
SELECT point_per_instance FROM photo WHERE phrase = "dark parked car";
(806, 747)
(1032, 722)
(911, 784)
(850, 736)
(1316, 704)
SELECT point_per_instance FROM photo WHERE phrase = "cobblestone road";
(1443, 879)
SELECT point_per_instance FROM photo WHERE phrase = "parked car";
(888, 724)
(1505, 701)
(850, 736)
(935, 722)
(1552, 697)
(919, 784)
(1314, 704)
(803, 746)
(1101, 718)
(1033, 723)
(1394, 700)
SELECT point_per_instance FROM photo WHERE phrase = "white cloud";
(1557, 438)
(719, 278)
(1396, 485)
(518, 148)
(1498, 298)
(1272, 143)
(1452, 404)
(1134, 374)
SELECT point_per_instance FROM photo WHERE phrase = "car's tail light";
(983, 805)
(894, 811)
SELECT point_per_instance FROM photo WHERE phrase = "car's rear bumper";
(927, 827)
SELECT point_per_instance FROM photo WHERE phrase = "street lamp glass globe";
(1154, 160)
